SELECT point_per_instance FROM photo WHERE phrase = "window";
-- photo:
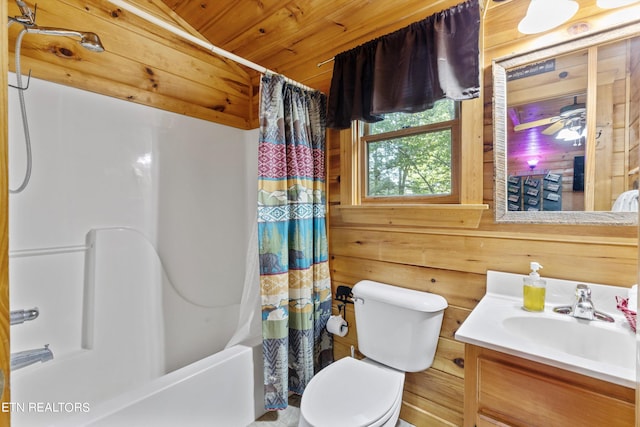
(412, 158)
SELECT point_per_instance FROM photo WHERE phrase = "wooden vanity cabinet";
(504, 390)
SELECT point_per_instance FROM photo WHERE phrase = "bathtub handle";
(21, 316)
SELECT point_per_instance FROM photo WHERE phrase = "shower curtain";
(292, 241)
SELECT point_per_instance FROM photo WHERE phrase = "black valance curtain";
(408, 70)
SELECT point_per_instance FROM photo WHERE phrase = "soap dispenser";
(534, 289)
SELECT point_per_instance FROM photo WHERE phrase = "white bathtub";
(219, 390)
(113, 370)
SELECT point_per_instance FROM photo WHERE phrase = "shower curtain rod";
(210, 47)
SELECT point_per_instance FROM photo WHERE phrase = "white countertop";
(594, 348)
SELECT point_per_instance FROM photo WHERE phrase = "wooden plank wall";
(453, 263)
(612, 145)
(5, 397)
(141, 63)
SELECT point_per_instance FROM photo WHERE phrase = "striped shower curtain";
(292, 241)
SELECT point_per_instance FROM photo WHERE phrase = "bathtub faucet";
(29, 357)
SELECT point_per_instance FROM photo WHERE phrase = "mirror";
(566, 132)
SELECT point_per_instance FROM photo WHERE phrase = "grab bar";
(21, 316)
(19, 253)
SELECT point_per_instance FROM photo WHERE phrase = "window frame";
(454, 125)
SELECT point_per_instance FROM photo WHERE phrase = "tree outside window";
(412, 156)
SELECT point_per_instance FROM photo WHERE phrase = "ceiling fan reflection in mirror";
(569, 115)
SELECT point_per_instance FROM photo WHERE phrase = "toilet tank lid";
(401, 297)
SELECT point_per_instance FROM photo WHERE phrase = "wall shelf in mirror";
(569, 111)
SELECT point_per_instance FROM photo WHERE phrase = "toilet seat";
(352, 393)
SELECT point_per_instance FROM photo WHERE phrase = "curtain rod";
(210, 47)
(326, 61)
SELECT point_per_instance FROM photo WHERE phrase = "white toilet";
(398, 331)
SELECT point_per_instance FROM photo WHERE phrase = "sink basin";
(595, 348)
(586, 339)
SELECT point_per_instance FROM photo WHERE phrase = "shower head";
(92, 42)
(89, 41)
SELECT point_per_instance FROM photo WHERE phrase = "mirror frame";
(500, 66)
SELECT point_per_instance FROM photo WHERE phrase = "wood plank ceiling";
(292, 37)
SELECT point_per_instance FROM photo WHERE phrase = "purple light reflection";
(530, 145)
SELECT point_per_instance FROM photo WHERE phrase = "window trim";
(360, 177)
(346, 211)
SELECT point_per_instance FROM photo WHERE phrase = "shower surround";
(187, 185)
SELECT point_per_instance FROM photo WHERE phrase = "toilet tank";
(397, 327)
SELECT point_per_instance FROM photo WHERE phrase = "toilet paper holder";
(342, 311)
(344, 294)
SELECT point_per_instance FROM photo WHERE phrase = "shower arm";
(53, 31)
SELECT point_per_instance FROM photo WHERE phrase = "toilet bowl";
(398, 332)
(353, 393)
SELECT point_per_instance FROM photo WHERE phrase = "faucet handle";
(583, 291)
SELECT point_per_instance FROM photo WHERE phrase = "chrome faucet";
(29, 357)
(583, 307)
